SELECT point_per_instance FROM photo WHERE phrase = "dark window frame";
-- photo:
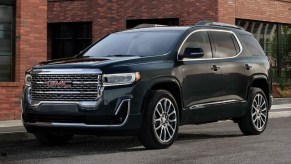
(72, 38)
(12, 3)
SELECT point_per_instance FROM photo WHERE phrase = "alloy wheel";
(259, 112)
(165, 120)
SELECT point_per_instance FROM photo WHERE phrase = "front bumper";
(130, 126)
(110, 108)
(111, 113)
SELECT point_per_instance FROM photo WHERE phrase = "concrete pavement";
(220, 142)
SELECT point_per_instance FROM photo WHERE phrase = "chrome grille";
(81, 87)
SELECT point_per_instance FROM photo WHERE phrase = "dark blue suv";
(149, 81)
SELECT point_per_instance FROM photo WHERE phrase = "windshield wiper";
(121, 55)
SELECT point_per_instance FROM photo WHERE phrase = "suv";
(149, 81)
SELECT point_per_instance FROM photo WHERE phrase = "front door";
(201, 84)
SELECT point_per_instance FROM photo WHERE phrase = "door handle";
(215, 68)
(248, 67)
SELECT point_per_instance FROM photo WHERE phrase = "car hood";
(82, 62)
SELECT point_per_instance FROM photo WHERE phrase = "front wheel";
(256, 118)
(161, 121)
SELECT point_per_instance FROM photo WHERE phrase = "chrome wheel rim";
(165, 120)
(259, 112)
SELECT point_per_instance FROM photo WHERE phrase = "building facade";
(23, 43)
(35, 30)
(75, 24)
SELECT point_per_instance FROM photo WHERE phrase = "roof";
(202, 24)
(163, 28)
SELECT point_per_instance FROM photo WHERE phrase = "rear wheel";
(256, 118)
(161, 121)
(53, 139)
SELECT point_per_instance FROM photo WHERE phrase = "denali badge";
(59, 84)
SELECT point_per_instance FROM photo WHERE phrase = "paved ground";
(212, 143)
(220, 142)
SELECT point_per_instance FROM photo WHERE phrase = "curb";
(280, 101)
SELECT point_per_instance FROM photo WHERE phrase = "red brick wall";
(263, 10)
(31, 48)
(227, 11)
(111, 15)
(73, 11)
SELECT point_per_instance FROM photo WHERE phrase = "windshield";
(141, 43)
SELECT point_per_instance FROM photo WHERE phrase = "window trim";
(209, 30)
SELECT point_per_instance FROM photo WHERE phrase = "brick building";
(23, 43)
(50, 29)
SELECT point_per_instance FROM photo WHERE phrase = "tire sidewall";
(157, 96)
(254, 93)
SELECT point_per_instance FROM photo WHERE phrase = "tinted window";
(69, 39)
(252, 45)
(141, 43)
(236, 45)
(6, 43)
(199, 40)
(224, 44)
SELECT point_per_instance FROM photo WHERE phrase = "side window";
(236, 45)
(199, 40)
(225, 44)
(252, 45)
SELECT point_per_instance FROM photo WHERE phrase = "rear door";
(236, 71)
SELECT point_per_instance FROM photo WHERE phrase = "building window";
(275, 39)
(68, 39)
(6, 42)
(163, 21)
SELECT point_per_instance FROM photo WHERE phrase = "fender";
(266, 79)
(259, 76)
(160, 80)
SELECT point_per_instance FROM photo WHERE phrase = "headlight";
(28, 80)
(120, 79)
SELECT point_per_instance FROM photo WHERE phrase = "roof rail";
(208, 23)
(148, 25)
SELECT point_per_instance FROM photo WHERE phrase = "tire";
(53, 139)
(256, 118)
(161, 122)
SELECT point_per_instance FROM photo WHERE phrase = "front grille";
(78, 87)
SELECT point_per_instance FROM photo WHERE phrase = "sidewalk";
(13, 130)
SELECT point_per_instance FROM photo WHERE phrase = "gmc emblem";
(59, 84)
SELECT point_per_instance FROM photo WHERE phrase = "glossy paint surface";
(207, 94)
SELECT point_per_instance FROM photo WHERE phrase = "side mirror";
(193, 53)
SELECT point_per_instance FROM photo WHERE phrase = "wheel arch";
(261, 81)
(170, 84)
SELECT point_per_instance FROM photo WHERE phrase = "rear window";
(252, 45)
(224, 44)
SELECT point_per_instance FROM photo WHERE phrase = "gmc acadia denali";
(149, 81)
